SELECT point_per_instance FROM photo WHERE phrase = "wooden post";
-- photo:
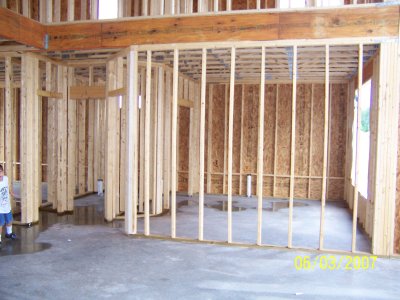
(147, 148)
(276, 140)
(325, 157)
(226, 101)
(71, 10)
(216, 4)
(241, 142)
(160, 137)
(230, 140)
(111, 200)
(167, 139)
(94, 9)
(260, 151)
(51, 139)
(9, 130)
(141, 152)
(72, 145)
(62, 125)
(202, 135)
(131, 178)
(293, 147)
(90, 143)
(209, 138)
(356, 164)
(386, 154)
(173, 142)
(228, 5)
(311, 141)
(30, 160)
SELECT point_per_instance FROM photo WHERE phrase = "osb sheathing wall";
(277, 132)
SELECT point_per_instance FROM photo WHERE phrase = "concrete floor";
(80, 257)
(306, 222)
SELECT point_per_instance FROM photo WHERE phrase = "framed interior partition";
(297, 148)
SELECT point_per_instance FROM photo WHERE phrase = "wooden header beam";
(21, 29)
(377, 21)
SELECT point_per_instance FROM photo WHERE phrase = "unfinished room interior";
(168, 144)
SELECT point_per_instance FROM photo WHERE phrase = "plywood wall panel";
(318, 130)
(284, 129)
(269, 128)
(315, 188)
(336, 189)
(300, 188)
(282, 187)
(337, 146)
(268, 186)
(218, 128)
(216, 184)
(250, 123)
(237, 115)
(303, 119)
(184, 125)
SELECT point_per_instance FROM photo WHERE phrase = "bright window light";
(292, 3)
(329, 3)
(108, 9)
(363, 159)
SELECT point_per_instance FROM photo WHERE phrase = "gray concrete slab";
(79, 256)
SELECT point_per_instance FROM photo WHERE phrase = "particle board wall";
(309, 138)
(184, 125)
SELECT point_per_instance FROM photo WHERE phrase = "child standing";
(5, 206)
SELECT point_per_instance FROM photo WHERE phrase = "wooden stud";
(226, 101)
(131, 179)
(26, 9)
(202, 136)
(94, 9)
(57, 11)
(147, 147)
(160, 137)
(173, 142)
(84, 10)
(241, 142)
(112, 143)
(72, 145)
(81, 115)
(260, 150)
(71, 10)
(90, 138)
(216, 4)
(357, 150)
(230, 141)
(9, 130)
(142, 125)
(276, 140)
(30, 160)
(62, 155)
(145, 8)
(167, 139)
(311, 142)
(325, 157)
(209, 138)
(293, 148)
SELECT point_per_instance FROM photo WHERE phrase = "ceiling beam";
(377, 21)
(21, 29)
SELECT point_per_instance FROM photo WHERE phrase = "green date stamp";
(333, 262)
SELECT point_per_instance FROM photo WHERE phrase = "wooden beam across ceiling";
(21, 29)
(370, 21)
(379, 21)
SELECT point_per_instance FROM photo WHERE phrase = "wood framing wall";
(277, 132)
